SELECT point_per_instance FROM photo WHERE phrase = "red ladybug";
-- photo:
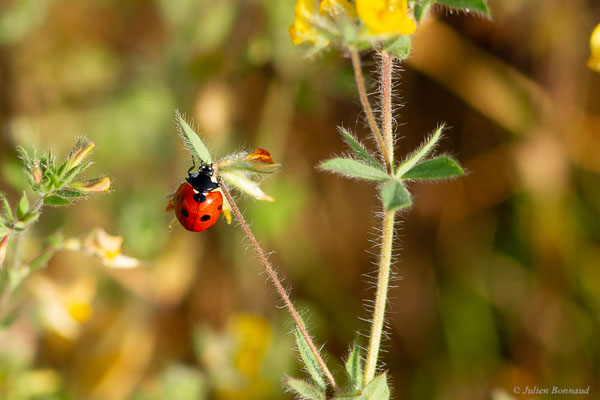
(196, 203)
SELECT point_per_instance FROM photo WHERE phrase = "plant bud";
(37, 174)
(78, 154)
(94, 185)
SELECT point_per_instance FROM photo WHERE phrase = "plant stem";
(273, 275)
(364, 100)
(387, 61)
(383, 279)
(385, 256)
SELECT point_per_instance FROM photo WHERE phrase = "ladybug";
(197, 203)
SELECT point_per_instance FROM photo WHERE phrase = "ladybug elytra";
(197, 203)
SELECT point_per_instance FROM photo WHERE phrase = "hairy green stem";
(387, 62)
(383, 280)
(387, 239)
(364, 100)
(273, 275)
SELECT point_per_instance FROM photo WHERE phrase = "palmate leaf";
(310, 362)
(192, 140)
(418, 155)
(436, 168)
(395, 196)
(358, 149)
(479, 6)
(304, 389)
(354, 169)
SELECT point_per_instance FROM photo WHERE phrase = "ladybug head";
(201, 180)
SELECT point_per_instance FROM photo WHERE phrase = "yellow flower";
(594, 60)
(385, 16)
(302, 30)
(336, 8)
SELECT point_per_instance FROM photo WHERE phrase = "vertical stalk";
(385, 256)
(387, 62)
(273, 275)
(364, 100)
(383, 280)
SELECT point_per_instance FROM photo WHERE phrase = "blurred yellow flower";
(302, 30)
(336, 8)
(104, 246)
(594, 60)
(385, 16)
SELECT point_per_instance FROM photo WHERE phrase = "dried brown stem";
(273, 275)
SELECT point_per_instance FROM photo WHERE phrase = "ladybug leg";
(193, 165)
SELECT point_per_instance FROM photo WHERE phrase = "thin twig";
(273, 275)
(383, 280)
(364, 100)
(387, 61)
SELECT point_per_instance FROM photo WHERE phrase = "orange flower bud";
(93, 185)
(37, 174)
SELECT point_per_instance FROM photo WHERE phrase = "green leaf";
(56, 201)
(310, 361)
(436, 168)
(248, 186)
(422, 9)
(467, 5)
(7, 210)
(354, 169)
(304, 389)
(418, 155)
(399, 47)
(70, 193)
(358, 149)
(192, 140)
(354, 368)
(23, 206)
(30, 218)
(395, 196)
(377, 389)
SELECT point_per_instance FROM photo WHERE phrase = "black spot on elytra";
(205, 217)
(199, 197)
(219, 208)
(185, 212)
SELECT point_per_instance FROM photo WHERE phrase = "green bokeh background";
(498, 273)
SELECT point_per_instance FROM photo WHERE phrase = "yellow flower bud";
(385, 16)
(335, 8)
(302, 30)
(94, 185)
(78, 154)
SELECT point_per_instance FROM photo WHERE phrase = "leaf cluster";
(361, 164)
(315, 388)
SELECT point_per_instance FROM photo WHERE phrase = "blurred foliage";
(500, 288)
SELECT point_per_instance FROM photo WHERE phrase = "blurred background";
(500, 270)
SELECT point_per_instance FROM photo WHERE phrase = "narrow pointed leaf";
(30, 218)
(399, 47)
(395, 196)
(305, 389)
(358, 149)
(246, 185)
(479, 6)
(56, 201)
(192, 140)
(418, 155)
(70, 193)
(354, 368)
(23, 206)
(7, 210)
(377, 389)
(354, 169)
(436, 168)
(310, 362)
